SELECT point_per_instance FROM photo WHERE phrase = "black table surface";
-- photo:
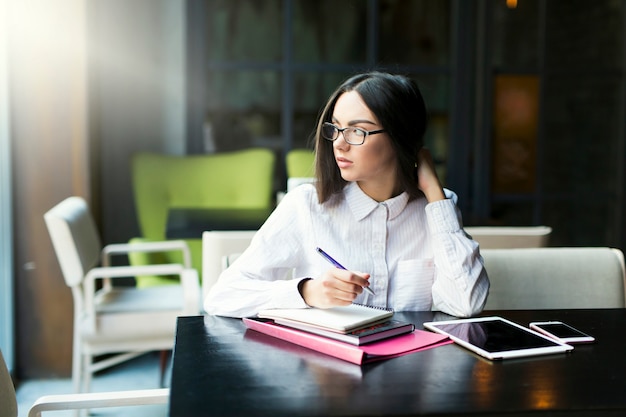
(222, 369)
(184, 223)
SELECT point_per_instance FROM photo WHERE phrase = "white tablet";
(496, 338)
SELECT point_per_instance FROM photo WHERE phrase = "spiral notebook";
(337, 319)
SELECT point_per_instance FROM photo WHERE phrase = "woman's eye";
(359, 132)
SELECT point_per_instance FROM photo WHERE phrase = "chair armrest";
(161, 246)
(110, 272)
(131, 271)
(84, 401)
(192, 301)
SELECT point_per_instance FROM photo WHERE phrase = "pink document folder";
(383, 349)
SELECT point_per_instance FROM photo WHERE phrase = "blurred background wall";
(526, 101)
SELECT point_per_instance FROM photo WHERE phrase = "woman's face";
(373, 164)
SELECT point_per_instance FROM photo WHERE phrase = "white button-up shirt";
(417, 254)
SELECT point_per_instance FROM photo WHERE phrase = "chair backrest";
(555, 278)
(300, 163)
(501, 237)
(215, 246)
(8, 401)
(237, 180)
(74, 237)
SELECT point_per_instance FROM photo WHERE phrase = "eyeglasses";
(352, 135)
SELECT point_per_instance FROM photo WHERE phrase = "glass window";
(515, 34)
(250, 63)
(515, 125)
(244, 30)
(436, 92)
(582, 122)
(585, 223)
(588, 36)
(243, 110)
(518, 213)
(310, 93)
(414, 32)
(330, 31)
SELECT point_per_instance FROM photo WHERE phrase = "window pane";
(515, 126)
(244, 30)
(243, 110)
(414, 32)
(436, 92)
(515, 34)
(584, 34)
(583, 223)
(511, 213)
(311, 91)
(330, 31)
(582, 131)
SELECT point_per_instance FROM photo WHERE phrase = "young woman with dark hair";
(377, 207)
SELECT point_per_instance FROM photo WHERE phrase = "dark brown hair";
(398, 104)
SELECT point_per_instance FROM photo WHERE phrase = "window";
(526, 103)
(261, 70)
(555, 79)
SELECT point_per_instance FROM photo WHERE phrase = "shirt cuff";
(442, 217)
(288, 296)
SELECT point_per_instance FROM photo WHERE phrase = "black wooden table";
(222, 369)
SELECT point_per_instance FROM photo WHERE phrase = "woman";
(377, 207)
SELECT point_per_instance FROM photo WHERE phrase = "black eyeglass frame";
(341, 130)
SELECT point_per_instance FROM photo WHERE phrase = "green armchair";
(300, 163)
(229, 181)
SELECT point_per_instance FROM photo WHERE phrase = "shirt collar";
(362, 205)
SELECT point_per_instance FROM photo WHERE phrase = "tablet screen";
(497, 338)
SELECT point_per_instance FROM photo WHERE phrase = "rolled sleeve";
(442, 217)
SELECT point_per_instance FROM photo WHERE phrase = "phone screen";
(561, 330)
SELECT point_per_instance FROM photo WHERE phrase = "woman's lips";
(343, 162)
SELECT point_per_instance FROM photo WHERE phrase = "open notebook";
(337, 319)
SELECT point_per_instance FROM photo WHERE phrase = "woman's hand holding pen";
(336, 287)
(427, 179)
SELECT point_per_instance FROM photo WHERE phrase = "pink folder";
(383, 349)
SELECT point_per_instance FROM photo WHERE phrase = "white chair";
(8, 400)
(120, 320)
(217, 246)
(501, 237)
(555, 278)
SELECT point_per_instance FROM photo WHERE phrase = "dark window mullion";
(540, 158)
(461, 74)
(287, 112)
(481, 193)
(621, 187)
(371, 52)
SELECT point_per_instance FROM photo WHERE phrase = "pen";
(338, 265)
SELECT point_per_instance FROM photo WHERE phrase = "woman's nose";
(340, 143)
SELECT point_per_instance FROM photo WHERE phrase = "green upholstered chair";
(300, 163)
(300, 166)
(230, 181)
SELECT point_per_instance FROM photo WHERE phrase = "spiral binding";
(374, 307)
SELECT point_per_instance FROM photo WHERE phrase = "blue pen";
(338, 265)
